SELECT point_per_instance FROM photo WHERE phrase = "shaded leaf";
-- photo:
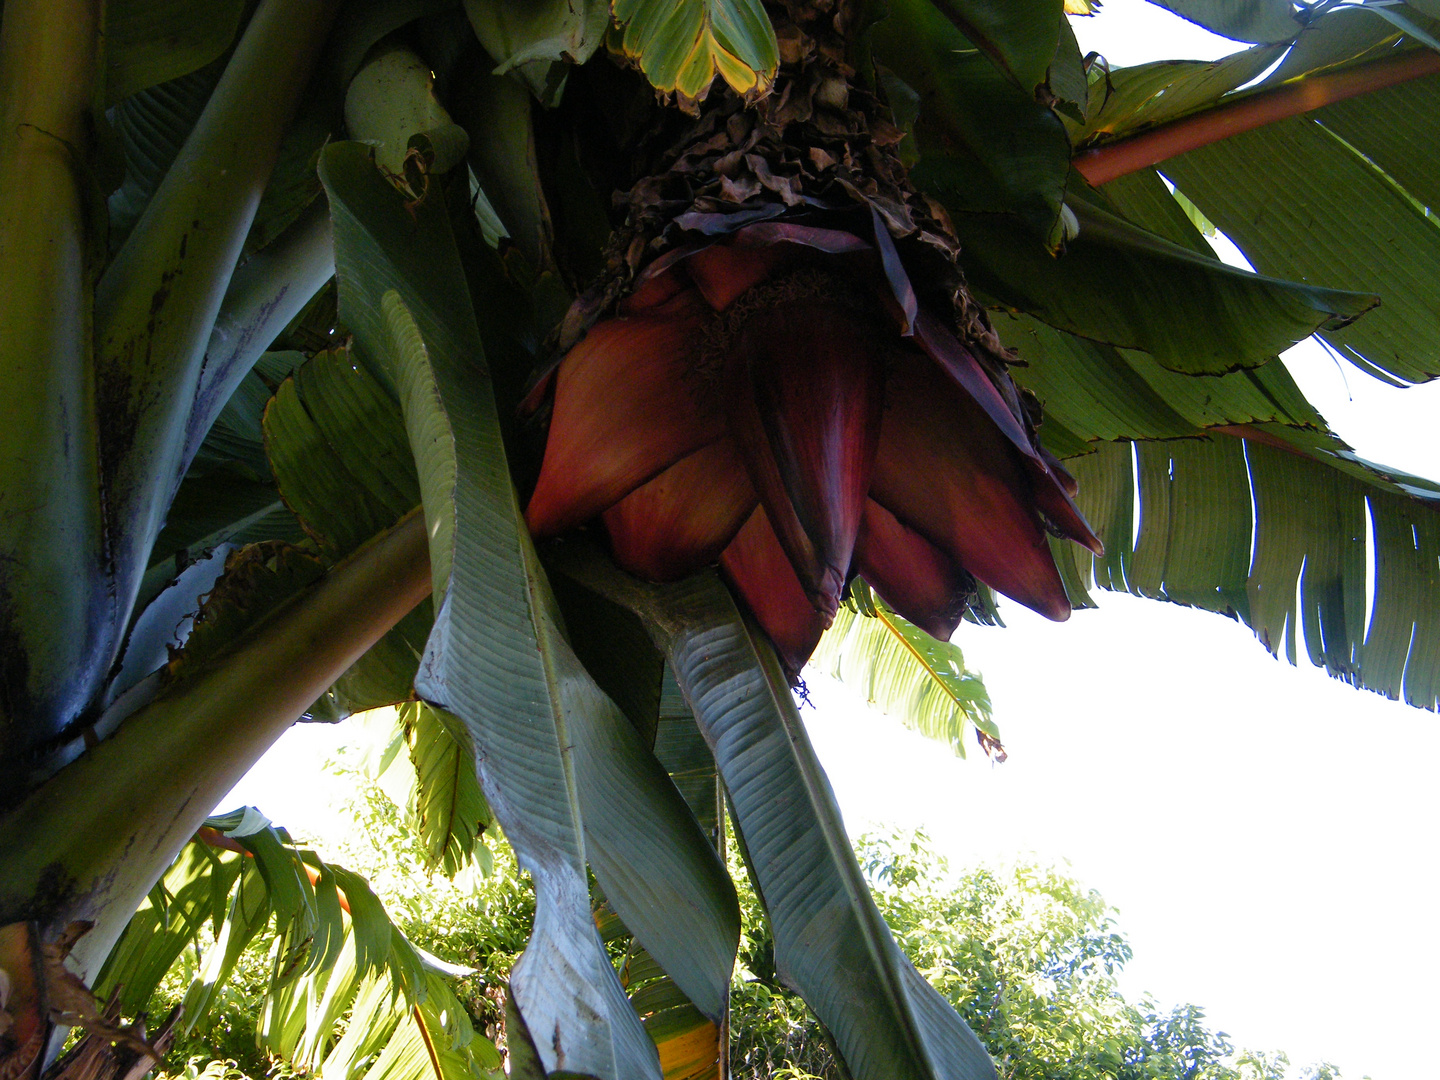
(691, 1044)
(337, 444)
(538, 41)
(496, 111)
(153, 41)
(1097, 392)
(831, 944)
(1132, 98)
(985, 144)
(152, 126)
(1021, 38)
(546, 740)
(1394, 128)
(390, 103)
(1345, 34)
(1304, 205)
(1243, 20)
(1125, 286)
(157, 300)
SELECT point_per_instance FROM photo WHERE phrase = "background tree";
(1027, 955)
(339, 470)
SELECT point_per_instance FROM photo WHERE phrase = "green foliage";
(242, 1016)
(906, 672)
(681, 46)
(1026, 954)
(830, 940)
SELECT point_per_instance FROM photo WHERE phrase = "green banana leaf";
(229, 493)
(450, 809)
(1335, 196)
(1244, 20)
(1315, 518)
(985, 144)
(337, 444)
(334, 951)
(157, 301)
(692, 1046)
(1273, 480)
(681, 45)
(831, 945)
(152, 125)
(1125, 286)
(1021, 38)
(538, 41)
(546, 739)
(907, 673)
(688, 1041)
(1343, 35)
(153, 41)
(1130, 99)
(1304, 204)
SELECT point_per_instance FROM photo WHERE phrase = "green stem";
(54, 612)
(93, 839)
(1123, 156)
(157, 303)
(270, 289)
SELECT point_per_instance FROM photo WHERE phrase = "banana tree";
(507, 358)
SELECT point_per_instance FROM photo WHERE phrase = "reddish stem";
(1113, 160)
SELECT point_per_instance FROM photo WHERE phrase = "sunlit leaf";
(899, 667)
(682, 46)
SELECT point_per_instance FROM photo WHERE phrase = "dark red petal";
(725, 270)
(679, 522)
(540, 391)
(657, 283)
(627, 406)
(1063, 476)
(956, 360)
(805, 406)
(722, 272)
(1060, 510)
(758, 569)
(1051, 494)
(944, 470)
(911, 574)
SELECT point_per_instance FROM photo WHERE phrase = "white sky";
(1269, 836)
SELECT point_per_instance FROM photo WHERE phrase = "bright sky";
(1269, 836)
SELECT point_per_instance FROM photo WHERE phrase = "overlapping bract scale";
(917, 579)
(626, 407)
(753, 402)
(804, 401)
(679, 522)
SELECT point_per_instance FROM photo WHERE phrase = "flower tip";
(1056, 610)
